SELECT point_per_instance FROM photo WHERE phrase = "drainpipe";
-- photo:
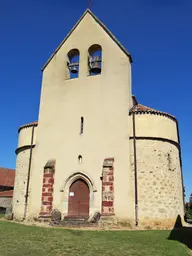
(28, 176)
(180, 159)
(135, 171)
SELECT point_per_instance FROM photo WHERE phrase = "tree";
(190, 201)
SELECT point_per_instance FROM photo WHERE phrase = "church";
(94, 148)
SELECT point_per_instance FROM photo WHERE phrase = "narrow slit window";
(80, 159)
(82, 125)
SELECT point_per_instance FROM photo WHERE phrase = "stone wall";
(159, 180)
(5, 202)
(22, 165)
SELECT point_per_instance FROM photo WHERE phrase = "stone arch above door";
(69, 181)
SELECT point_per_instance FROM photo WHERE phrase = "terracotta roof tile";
(139, 108)
(28, 125)
(7, 193)
(7, 177)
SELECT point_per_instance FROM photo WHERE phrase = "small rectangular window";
(82, 124)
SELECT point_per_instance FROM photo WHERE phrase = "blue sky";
(157, 33)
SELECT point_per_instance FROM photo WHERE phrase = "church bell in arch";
(73, 67)
(95, 64)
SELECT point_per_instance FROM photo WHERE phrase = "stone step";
(42, 219)
(66, 218)
(74, 223)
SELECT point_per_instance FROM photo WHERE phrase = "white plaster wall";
(103, 101)
(151, 125)
(24, 137)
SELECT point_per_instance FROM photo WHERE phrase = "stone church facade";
(94, 148)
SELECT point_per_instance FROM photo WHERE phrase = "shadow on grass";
(181, 234)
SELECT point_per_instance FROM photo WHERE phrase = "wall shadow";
(181, 234)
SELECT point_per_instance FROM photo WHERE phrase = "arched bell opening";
(95, 60)
(73, 63)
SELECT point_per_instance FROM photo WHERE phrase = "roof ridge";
(101, 24)
(148, 107)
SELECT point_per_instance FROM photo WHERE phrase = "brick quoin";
(48, 175)
(47, 189)
(49, 208)
(47, 194)
(51, 180)
(108, 203)
(43, 213)
(47, 203)
(47, 185)
(107, 183)
(108, 187)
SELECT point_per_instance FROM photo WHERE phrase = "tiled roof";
(141, 109)
(28, 125)
(7, 193)
(7, 177)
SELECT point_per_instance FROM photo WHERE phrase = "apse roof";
(141, 109)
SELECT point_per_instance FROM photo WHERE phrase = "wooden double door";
(78, 202)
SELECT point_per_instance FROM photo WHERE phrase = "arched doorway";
(78, 203)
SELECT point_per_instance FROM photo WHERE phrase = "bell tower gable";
(89, 76)
(88, 32)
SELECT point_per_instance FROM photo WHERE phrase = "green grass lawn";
(2, 215)
(17, 239)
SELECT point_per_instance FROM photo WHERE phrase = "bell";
(95, 65)
(73, 70)
(73, 67)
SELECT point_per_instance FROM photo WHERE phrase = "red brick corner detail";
(47, 190)
(108, 187)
